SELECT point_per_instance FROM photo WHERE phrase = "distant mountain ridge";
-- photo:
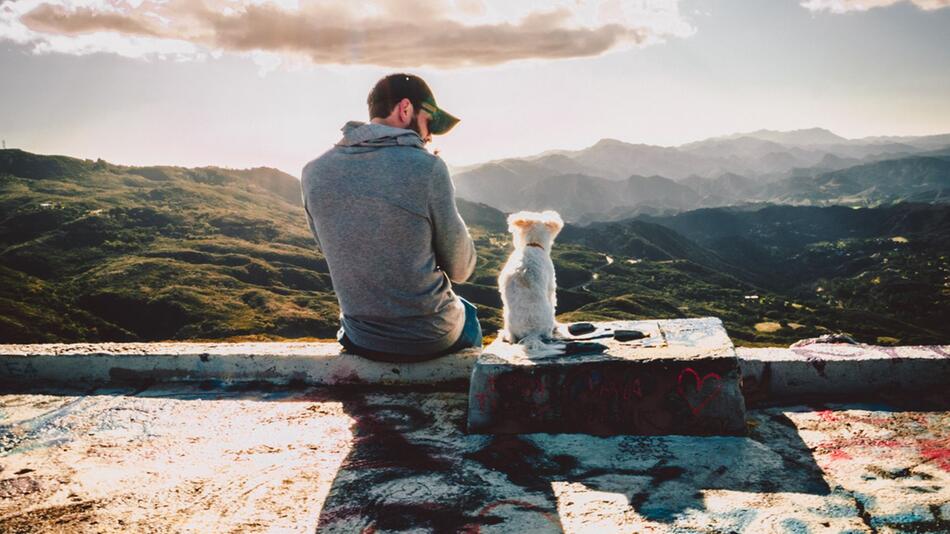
(23, 164)
(919, 178)
(576, 195)
(809, 136)
(807, 167)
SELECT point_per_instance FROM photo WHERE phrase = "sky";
(246, 83)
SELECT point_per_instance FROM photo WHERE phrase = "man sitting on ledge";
(382, 209)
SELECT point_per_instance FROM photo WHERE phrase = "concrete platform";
(184, 458)
(682, 378)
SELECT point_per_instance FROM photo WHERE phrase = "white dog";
(527, 283)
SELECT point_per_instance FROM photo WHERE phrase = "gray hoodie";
(382, 210)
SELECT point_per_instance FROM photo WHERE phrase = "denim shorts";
(471, 336)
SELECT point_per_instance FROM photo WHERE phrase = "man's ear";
(405, 110)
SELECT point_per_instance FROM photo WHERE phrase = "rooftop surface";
(209, 457)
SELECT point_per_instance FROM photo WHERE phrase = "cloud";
(53, 19)
(391, 33)
(843, 6)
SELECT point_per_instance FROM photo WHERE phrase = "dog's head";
(533, 227)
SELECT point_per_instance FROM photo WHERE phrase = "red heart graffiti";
(699, 387)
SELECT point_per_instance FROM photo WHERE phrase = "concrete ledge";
(816, 371)
(769, 375)
(309, 363)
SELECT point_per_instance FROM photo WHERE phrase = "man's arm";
(304, 197)
(454, 249)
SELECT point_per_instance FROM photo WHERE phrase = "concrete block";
(822, 371)
(683, 378)
(93, 364)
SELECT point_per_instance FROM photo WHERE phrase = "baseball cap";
(441, 121)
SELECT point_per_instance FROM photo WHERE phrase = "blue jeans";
(471, 336)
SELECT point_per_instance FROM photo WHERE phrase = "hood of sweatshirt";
(358, 134)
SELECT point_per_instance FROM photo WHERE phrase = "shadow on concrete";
(412, 466)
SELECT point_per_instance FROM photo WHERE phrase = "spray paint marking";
(699, 387)
(937, 451)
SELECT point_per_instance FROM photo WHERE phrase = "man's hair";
(390, 90)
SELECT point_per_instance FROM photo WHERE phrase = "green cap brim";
(441, 121)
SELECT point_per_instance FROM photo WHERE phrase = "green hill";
(94, 251)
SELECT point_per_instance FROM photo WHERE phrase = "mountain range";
(93, 251)
(613, 180)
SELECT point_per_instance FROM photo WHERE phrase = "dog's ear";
(522, 219)
(552, 220)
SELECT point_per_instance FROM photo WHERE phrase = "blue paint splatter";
(794, 526)
(918, 514)
(844, 507)
(735, 520)
(41, 432)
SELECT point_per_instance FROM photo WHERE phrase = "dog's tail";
(536, 346)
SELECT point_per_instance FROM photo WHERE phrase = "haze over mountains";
(613, 180)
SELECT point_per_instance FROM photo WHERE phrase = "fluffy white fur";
(527, 283)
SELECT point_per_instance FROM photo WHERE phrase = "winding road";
(595, 274)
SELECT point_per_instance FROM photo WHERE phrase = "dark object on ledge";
(581, 347)
(578, 329)
(629, 335)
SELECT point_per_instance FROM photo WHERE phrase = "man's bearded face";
(421, 127)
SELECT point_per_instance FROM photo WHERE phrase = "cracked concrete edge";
(768, 374)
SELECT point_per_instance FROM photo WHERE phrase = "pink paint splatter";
(699, 387)
(937, 451)
(827, 416)
(839, 454)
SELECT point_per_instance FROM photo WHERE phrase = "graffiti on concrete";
(911, 432)
(607, 398)
(698, 390)
(681, 378)
(361, 460)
